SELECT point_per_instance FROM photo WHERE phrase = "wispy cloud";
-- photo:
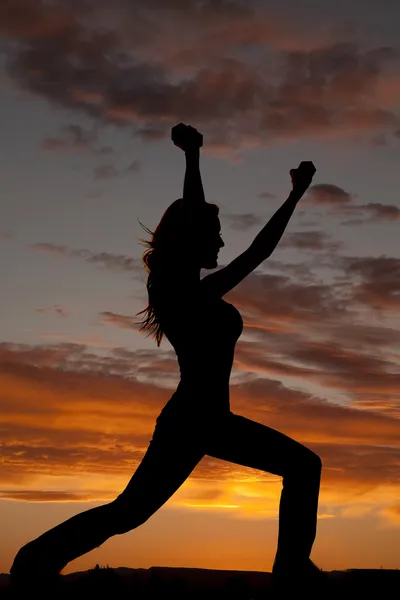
(114, 262)
(61, 311)
(110, 171)
(74, 138)
(105, 172)
(122, 321)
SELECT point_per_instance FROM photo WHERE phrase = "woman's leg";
(170, 458)
(254, 445)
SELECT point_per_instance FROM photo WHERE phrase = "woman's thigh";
(251, 444)
(170, 458)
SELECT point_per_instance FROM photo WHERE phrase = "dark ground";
(179, 583)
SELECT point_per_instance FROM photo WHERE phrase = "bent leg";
(254, 445)
(168, 461)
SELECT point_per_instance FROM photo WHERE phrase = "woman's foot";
(30, 565)
(295, 577)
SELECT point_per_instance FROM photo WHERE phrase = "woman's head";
(187, 237)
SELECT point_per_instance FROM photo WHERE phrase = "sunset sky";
(89, 92)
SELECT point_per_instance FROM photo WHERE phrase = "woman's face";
(210, 244)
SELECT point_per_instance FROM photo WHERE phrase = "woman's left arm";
(193, 192)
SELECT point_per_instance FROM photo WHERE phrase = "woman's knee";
(305, 462)
(311, 462)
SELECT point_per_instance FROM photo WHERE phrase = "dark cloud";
(328, 194)
(121, 64)
(378, 283)
(382, 212)
(110, 171)
(243, 221)
(279, 298)
(74, 138)
(310, 240)
(45, 496)
(360, 465)
(152, 134)
(367, 213)
(340, 204)
(310, 418)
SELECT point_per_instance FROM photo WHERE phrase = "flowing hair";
(179, 231)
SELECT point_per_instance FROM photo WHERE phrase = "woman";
(197, 421)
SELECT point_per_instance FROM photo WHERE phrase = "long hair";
(170, 247)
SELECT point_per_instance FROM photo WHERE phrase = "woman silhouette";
(197, 421)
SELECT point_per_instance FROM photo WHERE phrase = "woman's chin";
(210, 263)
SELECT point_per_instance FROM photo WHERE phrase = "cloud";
(151, 133)
(328, 194)
(114, 262)
(105, 172)
(122, 321)
(51, 248)
(142, 73)
(76, 138)
(44, 496)
(341, 204)
(382, 212)
(65, 410)
(378, 281)
(110, 171)
(266, 195)
(56, 308)
(310, 240)
(243, 221)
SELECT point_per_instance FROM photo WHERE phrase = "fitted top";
(203, 330)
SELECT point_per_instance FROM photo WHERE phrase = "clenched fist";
(302, 176)
(186, 137)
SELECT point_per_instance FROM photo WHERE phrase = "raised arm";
(190, 141)
(193, 191)
(266, 241)
(221, 282)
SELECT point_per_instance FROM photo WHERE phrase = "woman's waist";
(189, 401)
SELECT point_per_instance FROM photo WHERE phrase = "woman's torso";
(203, 331)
